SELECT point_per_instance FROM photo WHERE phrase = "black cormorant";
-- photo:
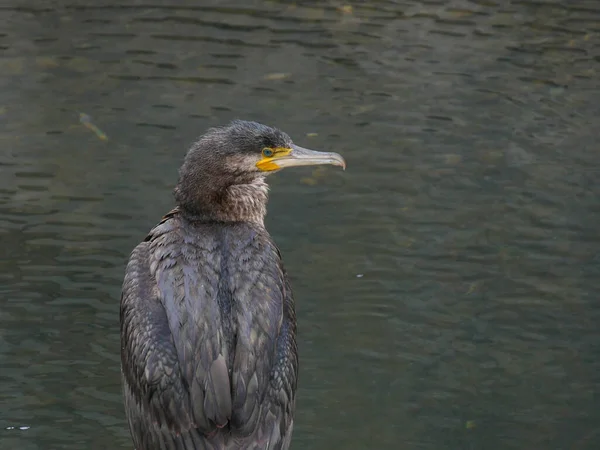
(208, 324)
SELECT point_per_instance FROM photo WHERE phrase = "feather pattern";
(208, 338)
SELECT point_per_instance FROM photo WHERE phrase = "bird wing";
(148, 357)
(274, 429)
(173, 354)
(259, 311)
(284, 378)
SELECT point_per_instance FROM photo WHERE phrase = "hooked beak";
(299, 156)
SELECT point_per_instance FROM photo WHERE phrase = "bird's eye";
(267, 152)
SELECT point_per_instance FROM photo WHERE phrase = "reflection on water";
(446, 283)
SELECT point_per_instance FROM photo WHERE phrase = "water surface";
(447, 283)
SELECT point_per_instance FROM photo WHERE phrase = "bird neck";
(233, 203)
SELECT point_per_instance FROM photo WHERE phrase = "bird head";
(250, 149)
(240, 155)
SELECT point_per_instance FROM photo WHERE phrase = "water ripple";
(452, 270)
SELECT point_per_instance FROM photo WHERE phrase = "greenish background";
(447, 283)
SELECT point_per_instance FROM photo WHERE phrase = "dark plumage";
(208, 326)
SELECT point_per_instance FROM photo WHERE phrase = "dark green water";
(447, 283)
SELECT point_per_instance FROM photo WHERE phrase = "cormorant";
(208, 324)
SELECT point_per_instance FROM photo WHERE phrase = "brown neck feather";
(233, 203)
